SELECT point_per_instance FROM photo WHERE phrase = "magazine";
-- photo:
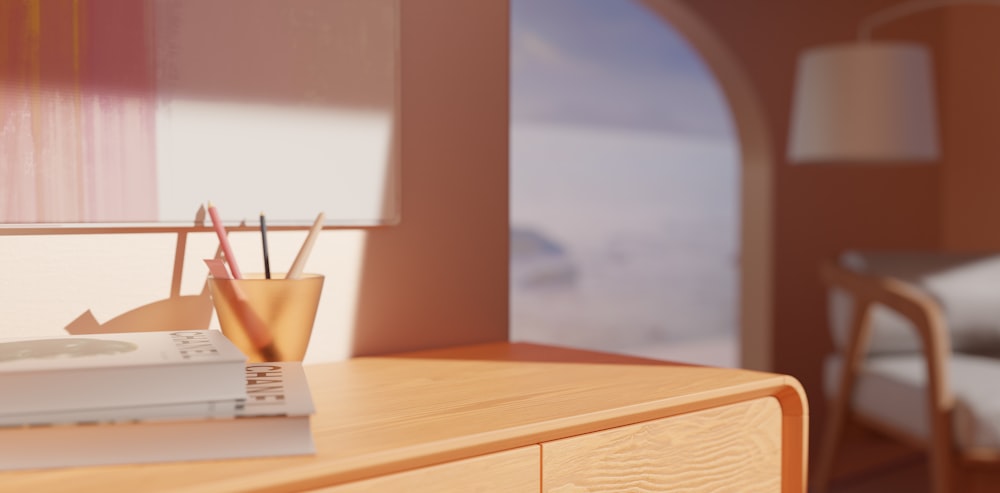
(274, 421)
(52, 374)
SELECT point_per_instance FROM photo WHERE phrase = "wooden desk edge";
(786, 390)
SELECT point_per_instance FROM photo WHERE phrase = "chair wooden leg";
(940, 460)
(839, 406)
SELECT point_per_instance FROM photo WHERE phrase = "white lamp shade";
(864, 102)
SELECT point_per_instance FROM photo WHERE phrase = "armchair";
(917, 338)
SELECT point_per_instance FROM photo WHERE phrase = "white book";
(183, 410)
(52, 374)
(273, 422)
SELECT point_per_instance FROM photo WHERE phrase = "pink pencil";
(256, 329)
(227, 250)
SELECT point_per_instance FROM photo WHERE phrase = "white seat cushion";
(966, 285)
(892, 388)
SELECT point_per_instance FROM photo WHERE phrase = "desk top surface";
(378, 415)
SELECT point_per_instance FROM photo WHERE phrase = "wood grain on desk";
(736, 447)
(382, 415)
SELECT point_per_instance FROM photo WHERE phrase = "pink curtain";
(77, 111)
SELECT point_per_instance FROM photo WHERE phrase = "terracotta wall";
(440, 277)
(971, 78)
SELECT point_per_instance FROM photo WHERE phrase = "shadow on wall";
(177, 311)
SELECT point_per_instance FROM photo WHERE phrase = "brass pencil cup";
(268, 319)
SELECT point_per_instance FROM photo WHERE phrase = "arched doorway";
(626, 187)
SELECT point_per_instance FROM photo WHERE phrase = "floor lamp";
(867, 101)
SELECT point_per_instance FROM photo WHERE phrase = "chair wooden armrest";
(928, 320)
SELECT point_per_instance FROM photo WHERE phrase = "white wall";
(437, 279)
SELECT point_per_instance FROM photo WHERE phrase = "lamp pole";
(889, 14)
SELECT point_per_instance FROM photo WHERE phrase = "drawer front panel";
(511, 471)
(729, 448)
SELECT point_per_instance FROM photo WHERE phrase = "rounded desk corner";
(792, 397)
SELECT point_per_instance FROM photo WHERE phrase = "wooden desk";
(509, 418)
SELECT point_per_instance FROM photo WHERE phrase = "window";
(624, 186)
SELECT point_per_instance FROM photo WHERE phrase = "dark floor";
(870, 463)
(907, 476)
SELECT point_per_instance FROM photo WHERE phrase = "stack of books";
(146, 397)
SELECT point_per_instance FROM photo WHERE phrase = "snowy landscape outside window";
(624, 186)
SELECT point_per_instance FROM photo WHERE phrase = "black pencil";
(263, 240)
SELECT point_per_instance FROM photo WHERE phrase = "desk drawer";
(730, 448)
(511, 471)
